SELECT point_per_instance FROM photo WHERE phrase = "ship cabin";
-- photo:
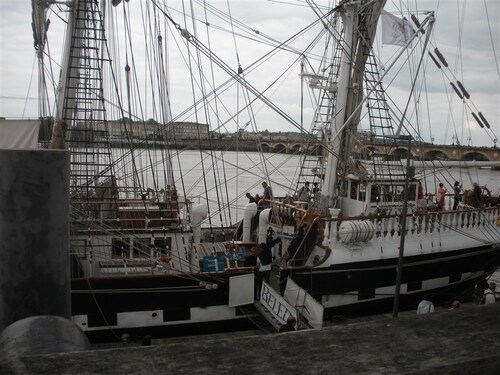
(361, 196)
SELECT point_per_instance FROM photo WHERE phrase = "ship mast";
(360, 21)
(66, 81)
(64, 107)
(40, 25)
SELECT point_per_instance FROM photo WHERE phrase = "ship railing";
(128, 214)
(481, 223)
(288, 211)
(125, 266)
(420, 219)
(423, 220)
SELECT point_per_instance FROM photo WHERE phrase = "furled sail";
(360, 22)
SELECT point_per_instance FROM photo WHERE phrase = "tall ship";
(362, 228)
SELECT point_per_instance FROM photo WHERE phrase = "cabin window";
(344, 189)
(79, 248)
(387, 193)
(163, 246)
(354, 190)
(393, 193)
(375, 194)
(120, 247)
(362, 192)
(412, 192)
(399, 191)
(142, 248)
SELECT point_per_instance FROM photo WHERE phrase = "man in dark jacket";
(476, 196)
(264, 261)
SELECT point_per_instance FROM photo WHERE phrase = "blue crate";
(236, 256)
(209, 263)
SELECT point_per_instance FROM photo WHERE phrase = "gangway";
(276, 309)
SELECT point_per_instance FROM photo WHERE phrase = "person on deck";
(271, 242)
(304, 193)
(250, 198)
(315, 189)
(420, 190)
(264, 261)
(476, 196)
(295, 244)
(266, 195)
(457, 195)
(268, 192)
(441, 193)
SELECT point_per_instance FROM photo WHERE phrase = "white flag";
(395, 30)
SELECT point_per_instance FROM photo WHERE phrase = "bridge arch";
(435, 155)
(265, 147)
(402, 153)
(296, 148)
(279, 148)
(474, 155)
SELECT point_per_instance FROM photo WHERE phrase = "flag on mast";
(395, 30)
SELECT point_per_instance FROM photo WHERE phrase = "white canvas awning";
(308, 307)
(19, 134)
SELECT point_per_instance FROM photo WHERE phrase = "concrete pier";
(34, 234)
(461, 341)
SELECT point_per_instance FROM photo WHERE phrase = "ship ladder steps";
(382, 125)
(268, 315)
(313, 162)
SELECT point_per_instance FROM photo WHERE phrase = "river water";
(237, 173)
(245, 171)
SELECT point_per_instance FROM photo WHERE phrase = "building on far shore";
(153, 130)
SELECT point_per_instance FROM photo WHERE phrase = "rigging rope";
(491, 37)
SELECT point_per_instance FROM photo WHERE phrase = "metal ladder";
(313, 161)
(84, 110)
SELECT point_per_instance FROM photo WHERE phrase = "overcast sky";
(462, 33)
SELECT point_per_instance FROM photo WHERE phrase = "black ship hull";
(363, 288)
(158, 306)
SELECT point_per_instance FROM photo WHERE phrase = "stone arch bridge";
(429, 152)
(421, 151)
(400, 150)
